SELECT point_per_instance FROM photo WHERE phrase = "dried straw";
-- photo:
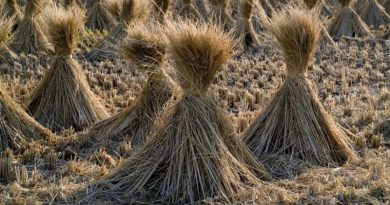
(99, 17)
(6, 54)
(244, 29)
(133, 12)
(63, 99)
(311, 3)
(16, 126)
(386, 5)
(188, 11)
(219, 14)
(193, 154)
(375, 15)
(295, 124)
(115, 7)
(146, 50)
(11, 10)
(70, 4)
(348, 23)
(30, 35)
(160, 10)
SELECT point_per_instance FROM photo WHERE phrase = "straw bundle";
(115, 7)
(193, 153)
(244, 29)
(188, 11)
(347, 23)
(386, 5)
(30, 35)
(16, 126)
(63, 99)
(133, 12)
(295, 124)
(6, 54)
(311, 3)
(219, 14)
(375, 15)
(146, 49)
(69, 4)
(99, 17)
(160, 9)
(11, 10)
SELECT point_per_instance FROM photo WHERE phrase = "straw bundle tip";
(297, 31)
(199, 51)
(144, 47)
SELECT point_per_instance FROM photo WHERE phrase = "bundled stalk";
(193, 153)
(69, 4)
(115, 7)
(145, 49)
(244, 29)
(295, 126)
(375, 15)
(133, 12)
(11, 10)
(347, 23)
(316, 6)
(311, 3)
(16, 126)
(6, 54)
(63, 98)
(99, 17)
(188, 11)
(30, 34)
(160, 9)
(386, 5)
(219, 14)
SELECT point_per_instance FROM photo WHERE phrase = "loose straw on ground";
(193, 154)
(63, 98)
(295, 126)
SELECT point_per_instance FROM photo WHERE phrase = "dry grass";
(161, 9)
(30, 36)
(219, 14)
(133, 12)
(145, 49)
(11, 9)
(5, 37)
(17, 128)
(99, 17)
(347, 23)
(189, 11)
(295, 125)
(63, 99)
(352, 85)
(193, 154)
(375, 15)
(244, 27)
(311, 3)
